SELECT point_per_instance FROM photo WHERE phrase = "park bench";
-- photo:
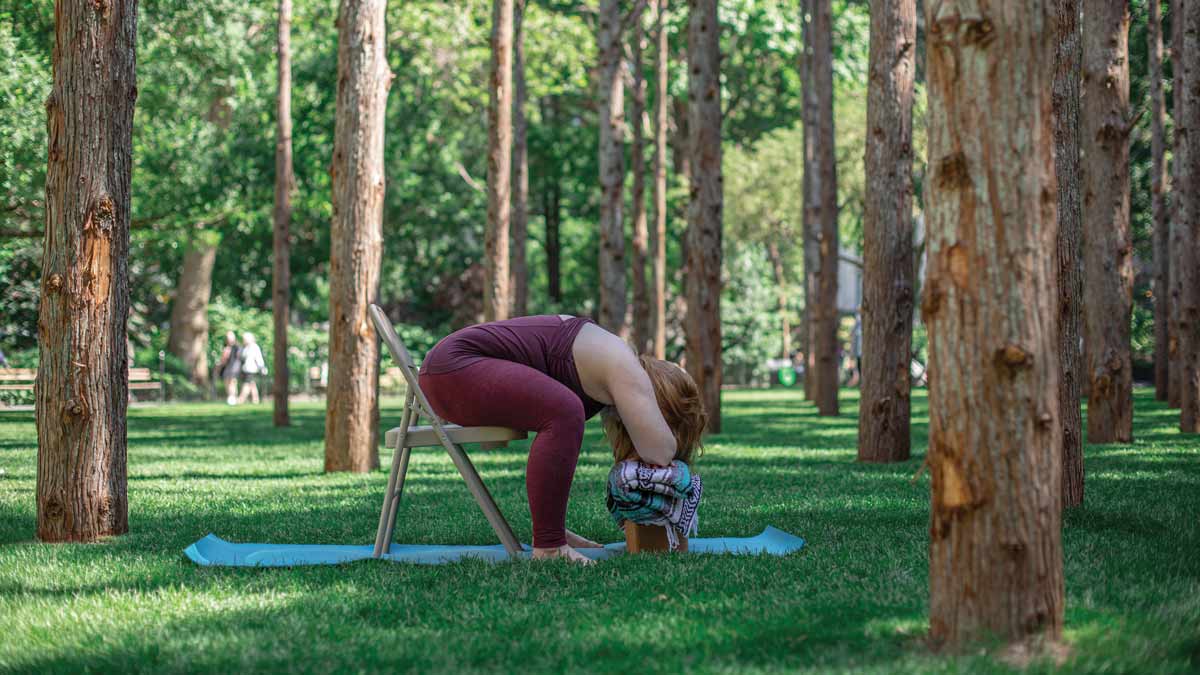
(22, 379)
(452, 437)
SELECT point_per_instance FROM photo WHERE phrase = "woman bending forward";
(549, 374)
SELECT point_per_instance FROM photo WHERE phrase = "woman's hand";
(576, 541)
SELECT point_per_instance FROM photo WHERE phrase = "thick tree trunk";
(703, 323)
(285, 181)
(641, 291)
(995, 552)
(1108, 249)
(500, 109)
(658, 236)
(82, 380)
(1175, 246)
(352, 405)
(888, 268)
(1159, 207)
(1189, 240)
(612, 168)
(188, 338)
(1065, 98)
(520, 168)
(811, 211)
(825, 190)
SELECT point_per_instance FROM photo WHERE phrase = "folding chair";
(407, 436)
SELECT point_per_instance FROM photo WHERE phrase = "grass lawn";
(855, 599)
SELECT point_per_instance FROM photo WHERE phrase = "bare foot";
(564, 551)
(577, 541)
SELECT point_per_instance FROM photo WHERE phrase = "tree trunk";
(1065, 99)
(1107, 256)
(352, 405)
(1178, 224)
(285, 182)
(188, 337)
(995, 552)
(825, 190)
(520, 167)
(658, 237)
(703, 323)
(888, 267)
(82, 379)
(552, 208)
(777, 271)
(641, 293)
(500, 109)
(612, 168)
(1189, 240)
(811, 211)
(1159, 211)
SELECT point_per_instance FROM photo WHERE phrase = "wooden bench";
(140, 379)
(22, 379)
(17, 379)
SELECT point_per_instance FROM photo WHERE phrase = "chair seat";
(423, 436)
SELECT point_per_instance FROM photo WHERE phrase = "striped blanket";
(653, 495)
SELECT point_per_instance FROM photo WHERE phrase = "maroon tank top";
(543, 343)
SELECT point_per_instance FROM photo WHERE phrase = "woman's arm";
(633, 396)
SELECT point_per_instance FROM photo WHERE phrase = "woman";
(253, 365)
(549, 374)
(230, 367)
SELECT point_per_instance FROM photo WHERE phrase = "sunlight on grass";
(853, 600)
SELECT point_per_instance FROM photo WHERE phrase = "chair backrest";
(399, 353)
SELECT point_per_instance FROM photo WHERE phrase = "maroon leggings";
(494, 392)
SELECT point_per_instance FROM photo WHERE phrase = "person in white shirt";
(253, 366)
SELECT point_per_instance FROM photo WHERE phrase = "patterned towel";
(653, 495)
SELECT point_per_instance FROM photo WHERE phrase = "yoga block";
(650, 538)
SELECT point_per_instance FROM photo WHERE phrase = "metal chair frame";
(449, 436)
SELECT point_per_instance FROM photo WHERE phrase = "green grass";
(855, 599)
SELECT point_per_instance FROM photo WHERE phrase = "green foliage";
(204, 135)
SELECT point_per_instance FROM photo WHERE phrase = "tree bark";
(703, 322)
(1108, 251)
(658, 238)
(285, 182)
(500, 110)
(811, 211)
(352, 404)
(1065, 99)
(552, 207)
(82, 379)
(1189, 240)
(888, 267)
(777, 270)
(641, 292)
(995, 552)
(1178, 224)
(188, 337)
(612, 168)
(825, 190)
(520, 168)
(1159, 208)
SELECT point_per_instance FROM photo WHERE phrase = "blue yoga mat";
(214, 551)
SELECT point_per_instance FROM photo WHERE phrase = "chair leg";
(391, 498)
(482, 496)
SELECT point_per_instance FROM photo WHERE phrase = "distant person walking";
(230, 367)
(253, 366)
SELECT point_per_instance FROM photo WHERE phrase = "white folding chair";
(407, 436)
